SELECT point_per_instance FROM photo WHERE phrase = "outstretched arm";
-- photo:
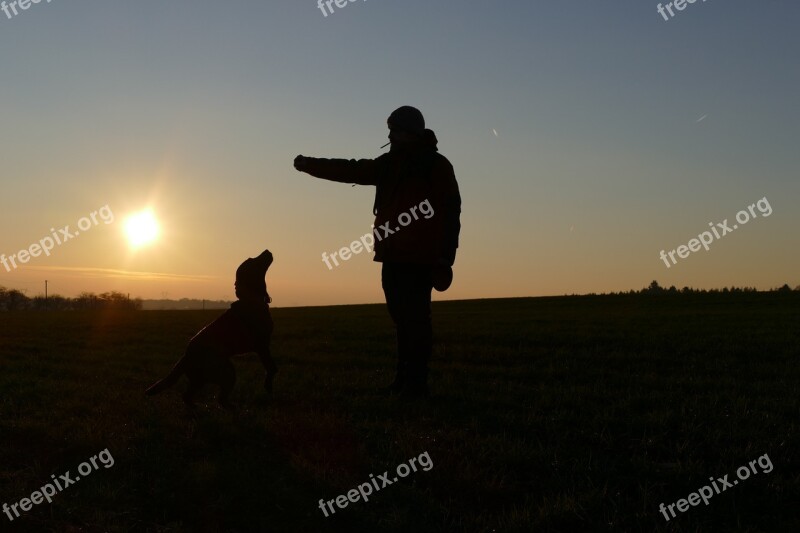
(360, 172)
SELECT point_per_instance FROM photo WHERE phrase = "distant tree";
(117, 300)
(14, 300)
(785, 288)
(51, 303)
(654, 288)
(85, 300)
(59, 303)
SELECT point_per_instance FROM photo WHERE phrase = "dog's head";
(250, 283)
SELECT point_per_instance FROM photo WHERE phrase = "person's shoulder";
(440, 157)
(441, 164)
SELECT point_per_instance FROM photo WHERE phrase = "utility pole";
(45, 295)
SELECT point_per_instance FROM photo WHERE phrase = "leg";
(202, 367)
(408, 296)
(419, 330)
(393, 291)
(261, 326)
(265, 355)
(226, 380)
(416, 333)
(194, 387)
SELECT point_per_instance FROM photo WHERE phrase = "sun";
(141, 229)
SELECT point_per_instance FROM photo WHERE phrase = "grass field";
(548, 414)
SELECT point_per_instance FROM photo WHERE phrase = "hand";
(300, 163)
(442, 277)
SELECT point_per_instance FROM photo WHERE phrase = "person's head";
(406, 126)
(250, 283)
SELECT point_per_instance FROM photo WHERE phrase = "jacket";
(417, 201)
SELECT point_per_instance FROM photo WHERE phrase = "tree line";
(14, 300)
(655, 288)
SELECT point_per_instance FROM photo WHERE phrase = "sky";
(586, 138)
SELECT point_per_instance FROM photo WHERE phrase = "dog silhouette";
(245, 327)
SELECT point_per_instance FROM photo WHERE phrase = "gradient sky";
(618, 134)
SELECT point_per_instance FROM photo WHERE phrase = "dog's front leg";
(269, 366)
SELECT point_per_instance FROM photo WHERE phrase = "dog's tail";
(169, 381)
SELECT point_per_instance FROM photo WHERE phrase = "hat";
(408, 119)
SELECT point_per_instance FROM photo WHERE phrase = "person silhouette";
(418, 256)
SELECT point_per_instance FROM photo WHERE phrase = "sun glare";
(141, 229)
